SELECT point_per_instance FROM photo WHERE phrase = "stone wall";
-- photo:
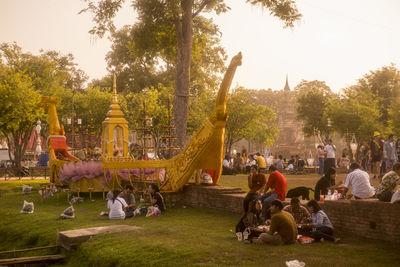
(368, 218)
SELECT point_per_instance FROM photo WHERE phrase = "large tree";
(312, 99)
(18, 112)
(147, 112)
(248, 121)
(178, 16)
(24, 77)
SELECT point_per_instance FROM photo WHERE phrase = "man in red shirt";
(276, 182)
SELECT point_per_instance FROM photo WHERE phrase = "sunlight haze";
(337, 41)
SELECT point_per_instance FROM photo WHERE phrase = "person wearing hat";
(376, 147)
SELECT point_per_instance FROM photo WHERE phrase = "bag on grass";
(206, 179)
(305, 239)
(153, 211)
(28, 207)
(76, 200)
(68, 213)
(45, 193)
(26, 189)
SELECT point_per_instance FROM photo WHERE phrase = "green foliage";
(312, 102)
(246, 120)
(151, 103)
(200, 108)
(19, 110)
(24, 77)
(384, 85)
(360, 116)
(171, 43)
(90, 105)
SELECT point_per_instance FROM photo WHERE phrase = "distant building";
(290, 139)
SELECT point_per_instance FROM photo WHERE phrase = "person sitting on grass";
(129, 198)
(116, 205)
(256, 182)
(299, 213)
(251, 220)
(282, 223)
(387, 187)
(277, 182)
(327, 182)
(321, 226)
(156, 198)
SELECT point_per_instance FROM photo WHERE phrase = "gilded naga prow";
(204, 151)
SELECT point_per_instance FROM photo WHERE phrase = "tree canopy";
(249, 121)
(162, 23)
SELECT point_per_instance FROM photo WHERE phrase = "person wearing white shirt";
(117, 206)
(330, 160)
(226, 167)
(359, 182)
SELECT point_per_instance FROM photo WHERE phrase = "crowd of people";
(241, 163)
(122, 204)
(266, 220)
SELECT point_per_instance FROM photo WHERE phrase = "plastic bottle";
(335, 195)
(329, 196)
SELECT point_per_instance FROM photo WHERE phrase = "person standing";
(330, 161)
(277, 182)
(376, 148)
(321, 158)
(359, 182)
(389, 152)
(279, 163)
(261, 163)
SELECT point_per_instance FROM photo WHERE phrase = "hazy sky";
(336, 41)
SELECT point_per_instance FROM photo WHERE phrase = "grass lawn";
(181, 236)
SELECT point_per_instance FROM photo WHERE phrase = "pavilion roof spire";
(115, 96)
(287, 88)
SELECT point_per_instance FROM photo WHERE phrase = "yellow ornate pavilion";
(115, 130)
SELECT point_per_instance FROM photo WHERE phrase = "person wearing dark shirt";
(283, 223)
(256, 182)
(327, 182)
(129, 198)
(277, 182)
(156, 198)
(251, 220)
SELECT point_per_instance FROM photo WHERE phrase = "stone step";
(73, 238)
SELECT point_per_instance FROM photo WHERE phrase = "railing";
(32, 172)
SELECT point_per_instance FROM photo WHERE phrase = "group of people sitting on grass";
(266, 220)
(284, 224)
(123, 205)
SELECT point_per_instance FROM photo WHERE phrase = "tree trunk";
(184, 33)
